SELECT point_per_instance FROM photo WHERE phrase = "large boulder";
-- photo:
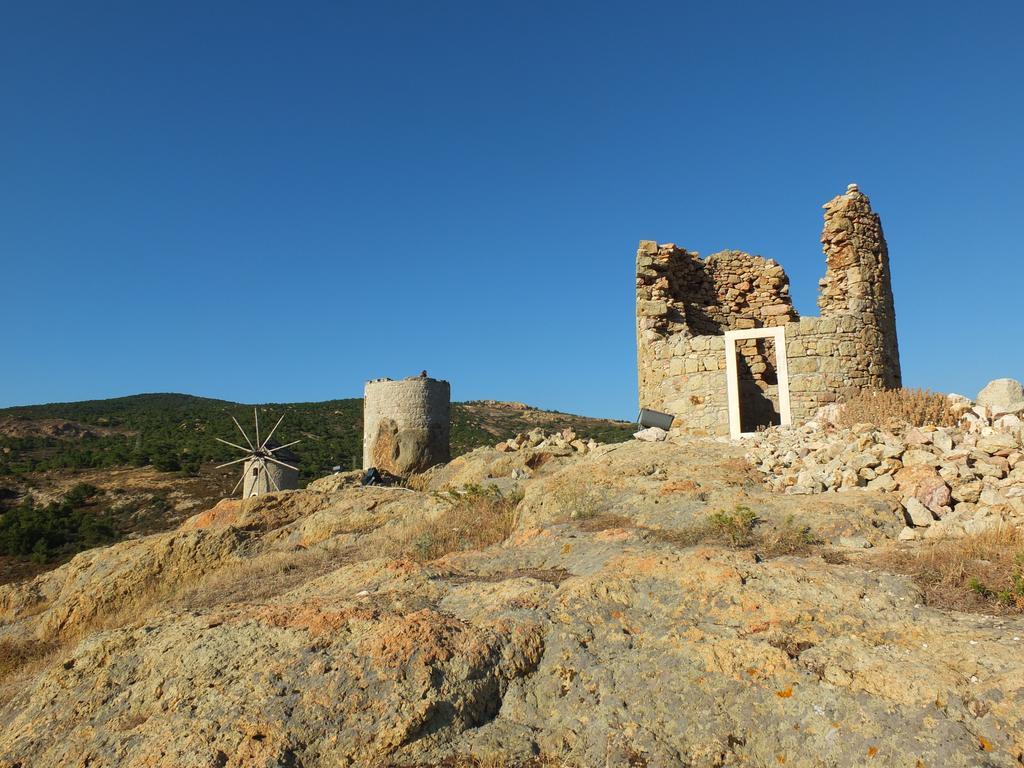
(1002, 396)
(924, 484)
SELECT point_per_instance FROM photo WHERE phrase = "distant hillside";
(173, 432)
(73, 475)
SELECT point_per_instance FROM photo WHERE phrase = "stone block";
(651, 308)
(829, 365)
(801, 365)
(810, 325)
(918, 514)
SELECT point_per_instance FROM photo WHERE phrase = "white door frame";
(778, 334)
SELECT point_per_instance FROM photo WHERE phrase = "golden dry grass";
(21, 660)
(16, 654)
(916, 407)
(577, 498)
(475, 517)
(787, 538)
(983, 572)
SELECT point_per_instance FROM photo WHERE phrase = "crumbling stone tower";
(685, 306)
(857, 283)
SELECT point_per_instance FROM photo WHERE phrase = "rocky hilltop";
(552, 603)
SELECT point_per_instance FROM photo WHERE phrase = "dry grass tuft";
(20, 660)
(604, 522)
(578, 499)
(788, 538)
(476, 517)
(258, 579)
(916, 407)
(421, 481)
(734, 528)
(740, 472)
(742, 529)
(983, 572)
(17, 654)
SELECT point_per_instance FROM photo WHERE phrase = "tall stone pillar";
(857, 282)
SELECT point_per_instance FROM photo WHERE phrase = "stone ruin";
(406, 424)
(687, 305)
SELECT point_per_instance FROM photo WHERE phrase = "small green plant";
(737, 527)
(1011, 595)
(977, 586)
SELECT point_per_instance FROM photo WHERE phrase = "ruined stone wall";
(685, 304)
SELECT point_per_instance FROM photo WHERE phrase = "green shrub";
(59, 528)
(737, 526)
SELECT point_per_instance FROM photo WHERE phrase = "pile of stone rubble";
(567, 439)
(950, 480)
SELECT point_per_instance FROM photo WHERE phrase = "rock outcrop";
(281, 633)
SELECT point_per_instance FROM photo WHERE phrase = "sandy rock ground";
(280, 633)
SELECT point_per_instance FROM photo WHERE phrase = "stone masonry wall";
(685, 304)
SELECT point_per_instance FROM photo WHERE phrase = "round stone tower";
(406, 424)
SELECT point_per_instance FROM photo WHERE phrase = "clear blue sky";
(270, 201)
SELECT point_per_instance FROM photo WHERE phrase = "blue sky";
(268, 201)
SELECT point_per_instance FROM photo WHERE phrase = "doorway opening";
(757, 379)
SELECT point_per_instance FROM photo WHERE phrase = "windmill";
(264, 469)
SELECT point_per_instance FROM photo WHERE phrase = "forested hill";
(174, 432)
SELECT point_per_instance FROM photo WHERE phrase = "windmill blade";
(256, 413)
(271, 458)
(240, 479)
(251, 446)
(234, 445)
(264, 444)
(236, 461)
(293, 442)
(270, 477)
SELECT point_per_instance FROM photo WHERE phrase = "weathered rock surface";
(569, 644)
